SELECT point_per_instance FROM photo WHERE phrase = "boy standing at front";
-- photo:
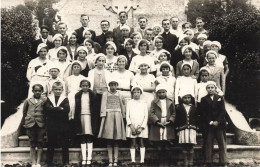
(213, 110)
(57, 110)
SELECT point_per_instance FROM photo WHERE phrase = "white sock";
(90, 149)
(116, 148)
(84, 151)
(132, 152)
(142, 153)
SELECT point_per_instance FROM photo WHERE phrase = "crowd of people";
(158, 83)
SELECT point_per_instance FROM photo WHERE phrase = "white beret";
(185, 64)
(40, 46)
(190, 30)
(77, 62)
(216, 43)
(161, 87)
(163, 51)
(56, 36)
(98, 56)
(137, 86)
(52, 65)
(208, 42)
(211, 83)
(184, 93)
(125, 27)
(186, 47)
(212, 52)
(82, 48)
(205, 68)
(202, 36)
(112, 44)
(121, 57)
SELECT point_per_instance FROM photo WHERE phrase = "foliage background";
(236, 25)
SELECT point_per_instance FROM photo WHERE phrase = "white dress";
(138, 59)
(170, 82)
(145, 81)
(185, 85)
(72, 87)
(137, 115)
(124, 82)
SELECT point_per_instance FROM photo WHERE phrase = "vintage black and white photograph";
(130, 83)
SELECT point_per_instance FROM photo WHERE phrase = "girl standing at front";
(185, 83)
(137, 119)
(85, 119)
(186, 122)
(112, 124)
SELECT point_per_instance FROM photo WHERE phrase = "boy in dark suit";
(57, 109)
(213, 110)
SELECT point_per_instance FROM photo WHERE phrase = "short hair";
(90, 41)
(105, 21)
(123, 12)
(131, 41)
(199, 18)
(84, 80)
(58, 83)
(45, 27)
(39, 85)
(161, 38)
(60, 23)
(174, 17)
(82, 15)
(187, 66)
(109, 34)
(165, 66)
(143, 41)
(183, 25)
(203, 70)
(142, 17)
(165, 20)
(186, 39)
(75, 63)
(74, 33)
(149, 29)
(167, 54)
(63, 50)
(136, 89)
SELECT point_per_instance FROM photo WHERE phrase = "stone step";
(24, 140)
(234, 152)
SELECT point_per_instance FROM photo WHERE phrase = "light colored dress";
(72, 87)
(138, 59)
(170, 82)
(145, 81)
(124, 82)
(187, 135)
(185, 85)
(137, 115)
(85, 115)
(64, 67)
(112, 125)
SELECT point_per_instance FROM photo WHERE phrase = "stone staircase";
(235, 152)
(242, 146)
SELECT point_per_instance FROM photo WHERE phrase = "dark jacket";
(101, 39)
(70, 52)
(177, 56)
(35, 45)
(213, 110)
(155, 116)
(185, 121)
(94, 115)
(80, 38)
(170, 43)
(117, 33)
(129, 59)
(57, 115)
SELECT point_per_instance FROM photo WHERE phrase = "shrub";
(17, 36)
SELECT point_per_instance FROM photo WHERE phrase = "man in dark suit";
(142, 21)
(101, 39)
(44, 39)
(213, 111)
(62, 29)
(170, 39)
(123, 16)
(84, 19)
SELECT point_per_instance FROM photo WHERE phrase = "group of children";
(144, 95)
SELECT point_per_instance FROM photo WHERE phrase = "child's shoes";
(115, 164)
(38, 165)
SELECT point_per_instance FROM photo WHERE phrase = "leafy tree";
(16, 39)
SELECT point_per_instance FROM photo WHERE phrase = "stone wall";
(155, 10)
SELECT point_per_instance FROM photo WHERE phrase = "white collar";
(52, 99)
